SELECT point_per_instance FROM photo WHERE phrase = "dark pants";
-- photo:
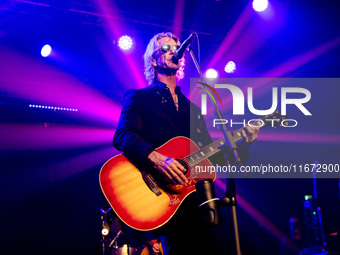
(186, 233)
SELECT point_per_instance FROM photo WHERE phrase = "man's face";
(164, 60)
(294, 227)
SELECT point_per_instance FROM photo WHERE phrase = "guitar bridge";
(151, 183)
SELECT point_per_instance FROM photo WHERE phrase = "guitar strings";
(187, 159)
(186, 166)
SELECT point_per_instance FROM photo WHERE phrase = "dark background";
(50, 159)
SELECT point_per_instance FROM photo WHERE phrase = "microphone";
(209, 208)
(179, 53)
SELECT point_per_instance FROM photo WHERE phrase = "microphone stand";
(228, 147)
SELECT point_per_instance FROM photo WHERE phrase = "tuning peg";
(284, 123)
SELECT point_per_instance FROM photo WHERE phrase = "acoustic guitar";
(141, 200)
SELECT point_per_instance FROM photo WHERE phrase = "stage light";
(8, 103)
(260, 5)
(307, 197)
(46, 50)
(230, 67)
(105, 230)
(106, 224)
(211, 74)
(52, 107)
(125, 42)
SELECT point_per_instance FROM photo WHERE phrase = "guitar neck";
(213, 148)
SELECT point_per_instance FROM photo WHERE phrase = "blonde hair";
(149, 69)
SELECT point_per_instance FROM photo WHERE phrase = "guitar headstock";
(274, 120)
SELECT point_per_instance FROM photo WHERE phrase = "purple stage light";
(116, 27)
(125, 42)
(19, 136)
(254, 213)
(260, 5)
(230, 67)
(46, 50)
(52, 87)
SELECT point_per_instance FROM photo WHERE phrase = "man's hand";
(156, 249)
(169, 167)
(250, 134)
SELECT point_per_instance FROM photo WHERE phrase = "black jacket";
(149, 119)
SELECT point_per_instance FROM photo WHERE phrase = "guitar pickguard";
(174, 199)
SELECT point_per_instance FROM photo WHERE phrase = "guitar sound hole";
(185, 164)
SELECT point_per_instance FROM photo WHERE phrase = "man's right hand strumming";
(169, 167)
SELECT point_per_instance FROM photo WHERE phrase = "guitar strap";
(151, 183)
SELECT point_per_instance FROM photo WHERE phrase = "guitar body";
(141, 208)
(134, 202)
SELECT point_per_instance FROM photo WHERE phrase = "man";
(150, 117)
(292, 243)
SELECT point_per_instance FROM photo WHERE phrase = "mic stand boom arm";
(229, 141)
(229, 146)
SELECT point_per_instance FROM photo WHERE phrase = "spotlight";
(211, 74)
(260, 5)
(307, 197)
(125, 42)
(52, 107)
(106, 225)
(106, 229)
(230, 67)
(46, 50)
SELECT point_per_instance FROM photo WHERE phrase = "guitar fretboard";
(213, 148)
